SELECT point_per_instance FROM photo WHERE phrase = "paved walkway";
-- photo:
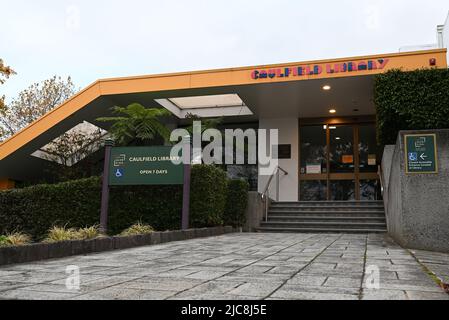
(239, 266)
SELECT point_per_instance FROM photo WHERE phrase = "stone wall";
(254, 212)
(417, 205)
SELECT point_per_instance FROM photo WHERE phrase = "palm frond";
(135, 122)
(111, 119)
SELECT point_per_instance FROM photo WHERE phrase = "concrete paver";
(242, 266)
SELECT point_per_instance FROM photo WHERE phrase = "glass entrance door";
(338, 162)
(341, 162)
(313, 163)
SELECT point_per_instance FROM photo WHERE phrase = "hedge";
(237, 202)
(35, 209)
(411, 100)
(208, 195)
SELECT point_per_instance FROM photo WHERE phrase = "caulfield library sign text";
(144, 166)
(330, 68)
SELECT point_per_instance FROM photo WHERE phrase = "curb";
(44, 251)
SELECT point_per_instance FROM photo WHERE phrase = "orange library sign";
(330, 68)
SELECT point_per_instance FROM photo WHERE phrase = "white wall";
(288, 134)
(443, 35)
(446, 36)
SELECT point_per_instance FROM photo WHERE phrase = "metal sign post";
(105, 187)
(187, 163)
(186, 197)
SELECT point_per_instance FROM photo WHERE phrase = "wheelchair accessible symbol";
(118, 173)
(412, 156)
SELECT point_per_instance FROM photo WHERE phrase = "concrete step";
(326, 217)
(330, 203)
(329, 218)
(322, 208)
(325, 224)
(320, 230)
(351, 213)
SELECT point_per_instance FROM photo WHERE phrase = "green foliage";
(206, 123)
(137, 125)
(158, 206)
(15, 239)
(56, 234)
(3, 240)
(37, 208)
(137, 228)
(76, 204)
(207, 196)
(236, 203)
(5, 73)
(91, 232)
(34, 102)
(411, 101)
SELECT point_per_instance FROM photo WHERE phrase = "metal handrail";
(381, 179)
(267, 188)
(276, 170)
(285, 172)
(268, 184)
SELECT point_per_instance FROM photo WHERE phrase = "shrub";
(137, 228)
(15, 239)
(158, 206)
(38, 208)
(88, 232)
(56, 234)
(236, 203)
(411, 101)
(76, 204)
(207, 196)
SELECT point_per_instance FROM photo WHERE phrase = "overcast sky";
(92, 39)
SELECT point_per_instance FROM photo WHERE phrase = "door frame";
(357, 176)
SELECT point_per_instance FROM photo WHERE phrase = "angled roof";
(201, 80)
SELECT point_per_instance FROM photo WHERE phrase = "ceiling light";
(337, 138)
(332, 127)
(208, 101)
(326, 87)
(332, 111)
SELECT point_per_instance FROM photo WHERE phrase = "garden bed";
(43, 251)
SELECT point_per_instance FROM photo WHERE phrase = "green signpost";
(143, 166)
(420, 153)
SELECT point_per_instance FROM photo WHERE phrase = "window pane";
(313, 149)
(247, 172)
(370, 190)
(341, 149)
(342, 190)
(368, 149)
(313, 190)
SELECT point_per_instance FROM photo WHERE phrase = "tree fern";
(136, 124)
